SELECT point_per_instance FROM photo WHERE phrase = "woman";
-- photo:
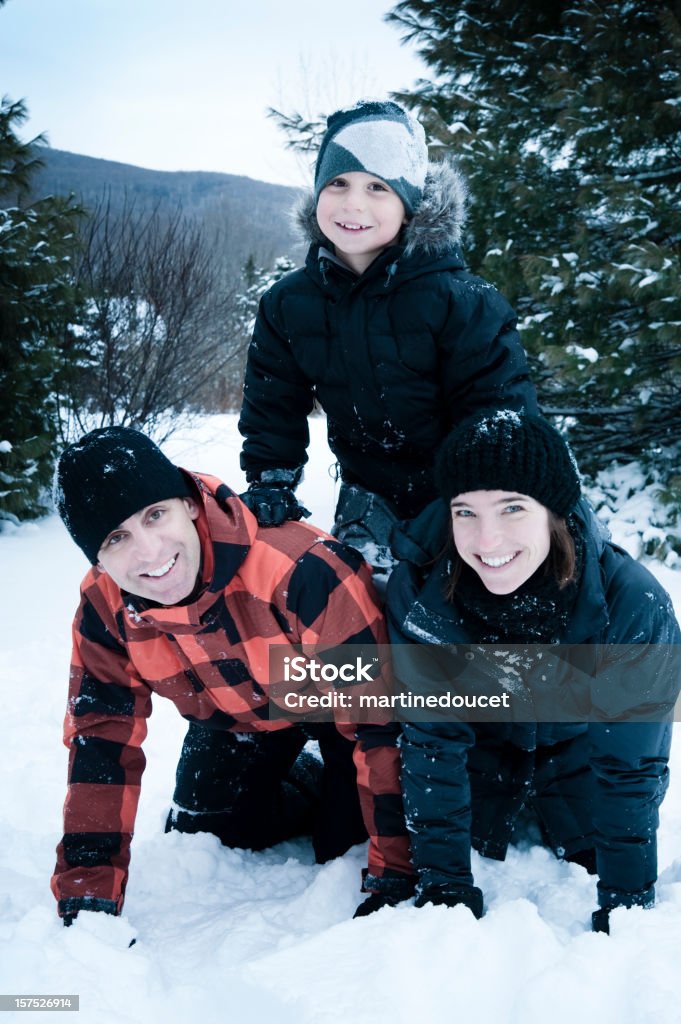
(524, 563)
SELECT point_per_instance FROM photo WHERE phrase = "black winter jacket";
(597, 784)
(395, 357)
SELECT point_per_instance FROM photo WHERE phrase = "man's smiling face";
(155, 553)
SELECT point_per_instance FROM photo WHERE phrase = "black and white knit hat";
(379, 138)
(509, 451)
(107, 476)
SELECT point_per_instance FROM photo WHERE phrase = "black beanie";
(509, 451)
(107, 476)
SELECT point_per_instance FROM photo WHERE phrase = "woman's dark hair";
(562, 557)
(561, 561)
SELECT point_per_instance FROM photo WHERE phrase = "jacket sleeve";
(377, 758)
(630, 758)
(629, 765)
(104, 728)
(483, 361)
(278, 398)
(437, 800)
(434, 773)
(335, 603)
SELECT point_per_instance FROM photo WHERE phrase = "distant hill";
(254, 215)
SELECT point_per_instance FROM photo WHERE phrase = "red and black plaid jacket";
(290, 585)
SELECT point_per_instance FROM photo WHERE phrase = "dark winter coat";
(209, 657)
(395, 356)
(594, 784)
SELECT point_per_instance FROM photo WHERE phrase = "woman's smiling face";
(504, 536)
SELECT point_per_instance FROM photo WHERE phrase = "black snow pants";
(253, 790)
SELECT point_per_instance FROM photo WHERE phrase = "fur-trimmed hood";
(434, 229)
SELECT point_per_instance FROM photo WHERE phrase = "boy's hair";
(107, 476)
(379, 138)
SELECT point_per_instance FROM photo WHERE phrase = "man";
(185, 597)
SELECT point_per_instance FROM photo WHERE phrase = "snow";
(229, 935)
(590, 354)
(629, 505)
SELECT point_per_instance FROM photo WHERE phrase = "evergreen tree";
(36, 304)
(258, 280)
(566, 119)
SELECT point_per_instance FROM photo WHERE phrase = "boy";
(383, 326)
(184, 598)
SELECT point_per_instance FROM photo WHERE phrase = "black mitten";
(376, 901)
(614, 898)
(387, 891)
(585, 858)
(452, 896)
(600, 920)
(70, 908)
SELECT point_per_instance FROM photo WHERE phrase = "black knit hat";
(379, 138)
(107, 476)
(509, 451)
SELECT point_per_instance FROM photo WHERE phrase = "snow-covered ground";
(225, 935)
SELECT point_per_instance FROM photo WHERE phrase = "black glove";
(376, 901)
(387, 891)
(70, 907)
(452, 896)
(614, 898)
(271, 498)
(273, 505)
(585, 858)
(600, 920)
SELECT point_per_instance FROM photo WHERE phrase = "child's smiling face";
(361, 215)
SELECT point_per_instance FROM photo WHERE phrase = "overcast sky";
(185, 84)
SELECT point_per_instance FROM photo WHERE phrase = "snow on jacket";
(618, 602)
(294, 585)
(395, 356)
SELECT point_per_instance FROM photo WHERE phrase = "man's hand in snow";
(600, 920)
(114, 931)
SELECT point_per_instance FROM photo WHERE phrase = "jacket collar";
(323, 264)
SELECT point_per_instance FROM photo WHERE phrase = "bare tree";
(157, 324)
